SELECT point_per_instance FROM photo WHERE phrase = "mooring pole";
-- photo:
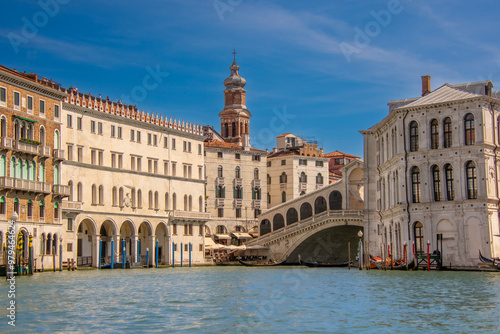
(181, 254)
(428, 256)
(156, 254)
(112, 252)
(100, 253)
(173, 255)
(189, 255)
(54, 258)
(123, 253)
(147, 257)
(349, 254)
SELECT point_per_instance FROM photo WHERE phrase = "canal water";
(255, 300)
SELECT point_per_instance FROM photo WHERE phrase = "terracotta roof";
(282, 153)
(230, 146)
(337, 153)
(444, 93)
(283, 135)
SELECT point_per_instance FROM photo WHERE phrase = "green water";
(254, 300)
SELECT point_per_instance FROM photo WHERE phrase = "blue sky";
(320, 69)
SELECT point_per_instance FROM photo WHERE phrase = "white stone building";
(294, 168)
(431, 174)
(134, 179)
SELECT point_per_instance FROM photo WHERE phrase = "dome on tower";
(234, 80)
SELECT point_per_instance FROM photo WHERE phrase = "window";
(319, 163)
(132, 163)
(138, 136)
(238, 212)
(99, 128)
(30, 103)
(92, 126)
(155, 140)
(415, 182)
(470, 168)
(17, 100)
(199, 150)
(269, 164)
(119, 132)
(256, 158)
(283, 178)
(56, 211)
(139, 163)
(79, 123)
(419, 237)
(220, 171)
(413, 136)
(42, 107)
(93, 157)
(303, 178)
(283, 162)
(69, 121)
(80, 153)
(447, 132)
(149, 139)
(219, 154)
(113, 160)
(434, 134)
(3, 95)
(256, 174)
(469, 129)
(165, 167)
(132, 135)
(436, 180)
(450, 193)
(283, 197)
(174, 169)
(319, 179)
(302, 162)
(165, 142)
(69, 226)
(220, 212)
(237, 173)
(238, 192)
(70, 152)
(56, 111)
(173, 143)
(174, 228)
(113, 131)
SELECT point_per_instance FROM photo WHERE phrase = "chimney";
(426, 84)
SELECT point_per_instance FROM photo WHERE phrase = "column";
(134, 248)
(152, 249)
(118, 248)
(96, 239)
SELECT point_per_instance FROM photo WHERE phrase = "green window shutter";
(241, 192)
(253, 193)
(260, 193)
(235, 194)
(224, 192)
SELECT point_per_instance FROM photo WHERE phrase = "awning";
(254, 234)
(26, 119)
(241, 235)
(209, 242)
(223, 236)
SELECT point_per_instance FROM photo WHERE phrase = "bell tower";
(235, 117)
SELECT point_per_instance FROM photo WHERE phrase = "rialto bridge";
(320, 225)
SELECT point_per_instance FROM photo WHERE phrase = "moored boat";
(395, 266)
(256, 264)
(492, 263)
(324, 264)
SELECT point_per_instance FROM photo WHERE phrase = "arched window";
(120, 197)
(41, 174)
(415, 182)
(56, 174)
(200, 204)
(450, 192)
(13, 167)
(101, 195)
(319, 179)
(470, 136)
(256, 174)
(268, 179)
(174, 202)
(56, 211)
(150, 199)
(470, 168)
(419, 237)
(283, 197)
(16, 205)
(115, 196)
(413, 136)
(185, 203)
(25, 168)
(48, 247)
(283, 178)
(3, 166)
(233, 127)
(139, 198)
(447, 138)
(94, 194)
(303, 178)
(56, 140)
(157, 201)
(498, 130)
(3, 127)
(32, 171)
(219, 172)
(42, 136)
(335, 200)
(79, 192)
(3, 206)
(42, 210)
(237, 173)
(434, 134)
(436, 181)
(167, 202)
(190, 203)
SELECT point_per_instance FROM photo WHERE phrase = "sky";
(323, 70)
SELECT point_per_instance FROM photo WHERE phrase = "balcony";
(71, 206)
(238, 182)
(44, 151)
(6, 142)
(256, 203)
(238, 202)
(25, 147)
(219, 181)
(58, 154)
(255, 183)
(219, 202)
(61, 190)
(24, 185)
(283, 186)
(189, 214)
(302, 186)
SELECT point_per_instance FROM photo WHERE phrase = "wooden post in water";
(391, 257)
(349, 254)
(368, 255)
(54, 257)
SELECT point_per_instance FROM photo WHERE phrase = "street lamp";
(360, 235)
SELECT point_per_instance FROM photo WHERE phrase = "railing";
(256, 203)
(6, 142)
(219, 202)
(256, 183)
(84, 261)
(302, 186)
(71, 206)
(219, 181)
(58, 154)
(283, 186)
(25, 147)
(44, 151)
(238, 202)
(25, 185)
(61, 190)
(189, 214)
(238, 182)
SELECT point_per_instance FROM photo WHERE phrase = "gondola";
(489, 262)
(396, 266)
(250, 264)
(325, 265)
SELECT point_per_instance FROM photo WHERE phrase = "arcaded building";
(30, 165)
(431, 174)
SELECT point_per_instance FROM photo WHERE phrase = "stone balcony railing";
(219, 181)
(58, 154)
(219, 202)
(25, 147)
(25, 185)
(302, 186)
(6, 142)
(61, 190)
(189, 215)
(256, 203)
(256, 183)
(44, 151)
(238, 182)
(283, 186)
(71, 206)
(238, 202)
